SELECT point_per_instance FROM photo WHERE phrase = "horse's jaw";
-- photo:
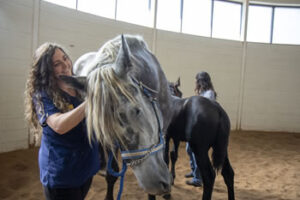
(153, 175)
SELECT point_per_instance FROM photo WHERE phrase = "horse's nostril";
(165, 186)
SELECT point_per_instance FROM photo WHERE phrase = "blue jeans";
(196, 172)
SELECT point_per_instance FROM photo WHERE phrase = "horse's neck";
(165, 101)
(170, 109)
(177, 105)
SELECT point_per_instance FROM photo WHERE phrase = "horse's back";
(204, 118)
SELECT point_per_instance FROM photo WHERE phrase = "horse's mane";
(104, 93)
(107, 54)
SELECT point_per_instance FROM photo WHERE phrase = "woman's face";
(62, 65)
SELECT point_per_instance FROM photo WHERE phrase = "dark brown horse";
(174, 88)
(204, 124)
(175, 91)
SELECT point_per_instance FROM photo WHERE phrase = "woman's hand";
(61, 123)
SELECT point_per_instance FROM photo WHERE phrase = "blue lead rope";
(117, 174)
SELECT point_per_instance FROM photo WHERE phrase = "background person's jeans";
(196, 172)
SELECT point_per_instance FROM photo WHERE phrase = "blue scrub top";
(66, 160)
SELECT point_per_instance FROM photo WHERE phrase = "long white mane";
(104, 92)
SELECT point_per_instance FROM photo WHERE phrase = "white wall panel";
(272, 94)
(185, 56)
(15, 55)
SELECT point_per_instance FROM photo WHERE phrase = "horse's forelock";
(105, 90)
(104, 93)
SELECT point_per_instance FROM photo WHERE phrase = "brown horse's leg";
(102, 157)
(151, 197)
(174, 157)
(166, 150)
(111, 180)
(208, 174)
(166, 158)
(228, 175)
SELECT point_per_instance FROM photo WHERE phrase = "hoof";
(167, 196)
(173, 178)
(102, 173)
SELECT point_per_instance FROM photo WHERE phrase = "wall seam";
(34, 45)
(243, 67)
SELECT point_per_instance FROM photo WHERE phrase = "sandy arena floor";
(267, 167)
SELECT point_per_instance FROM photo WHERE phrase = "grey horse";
(119, 112)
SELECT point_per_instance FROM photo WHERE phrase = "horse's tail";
(220, 146)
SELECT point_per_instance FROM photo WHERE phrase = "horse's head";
(174, 88)
(123, 84)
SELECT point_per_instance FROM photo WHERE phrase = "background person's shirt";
(210, 94)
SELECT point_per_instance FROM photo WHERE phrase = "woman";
(205, 88)
(67, 161)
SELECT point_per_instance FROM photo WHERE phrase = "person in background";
(205, 88)
(67, 160)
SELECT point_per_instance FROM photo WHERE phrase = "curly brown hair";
(41, 79)
(203, 83)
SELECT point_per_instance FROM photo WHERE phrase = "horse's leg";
(207, 172)
(228, 175)
(102, 157)
(111, 180)
(151, 197)
(174, 157)
(166, 150)
(166, 158)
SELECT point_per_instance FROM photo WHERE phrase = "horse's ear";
(123, 62)
(76, 82)
(177, 83)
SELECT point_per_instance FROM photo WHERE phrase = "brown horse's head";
(174, 88)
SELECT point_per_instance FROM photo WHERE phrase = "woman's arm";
(61, 123)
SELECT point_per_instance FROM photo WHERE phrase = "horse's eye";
(137, 111)
(123, 118)
(133, 90)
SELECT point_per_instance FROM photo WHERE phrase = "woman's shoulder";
(209, 94)
(206, 92)
(210, 91)
(40, 93)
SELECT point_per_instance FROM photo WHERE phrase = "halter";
(136, 157)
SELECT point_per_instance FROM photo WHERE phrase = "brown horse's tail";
(221, 144)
